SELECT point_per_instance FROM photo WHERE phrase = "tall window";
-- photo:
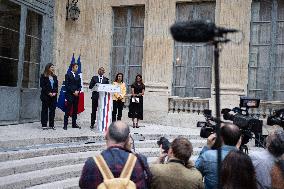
(10, 14)
(127, 47)
(266, 63)
(32, 50)
(192, 62)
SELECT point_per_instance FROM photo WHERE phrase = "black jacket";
(94, 80)
(72, 84)
(46, 88)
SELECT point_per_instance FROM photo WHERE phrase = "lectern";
(104, 112)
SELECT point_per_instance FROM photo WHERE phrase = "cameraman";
(206, 163)
(178, 172)
(263, 161)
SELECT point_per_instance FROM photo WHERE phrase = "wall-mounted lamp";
(72, 10)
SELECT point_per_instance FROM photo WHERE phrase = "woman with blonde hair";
(48, 96)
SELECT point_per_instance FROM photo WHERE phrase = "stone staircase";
(57, 162)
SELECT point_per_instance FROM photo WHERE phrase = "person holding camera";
(206, 163)
(264, 160)
(178, 172)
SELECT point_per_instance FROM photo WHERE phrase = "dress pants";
(71, 104)
(48, 112)
(94, 111)
(117, 110)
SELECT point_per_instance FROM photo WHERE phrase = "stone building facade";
(94, 37)
(132, 36)
(26, 45)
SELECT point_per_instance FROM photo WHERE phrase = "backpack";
(123, 182)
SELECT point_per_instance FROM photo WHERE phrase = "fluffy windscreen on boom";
(197, 31)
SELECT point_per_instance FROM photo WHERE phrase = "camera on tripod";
(248, 124)
(242, 118)
(207, 128)
(277, 118)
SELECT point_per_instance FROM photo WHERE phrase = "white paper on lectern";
(106, 88)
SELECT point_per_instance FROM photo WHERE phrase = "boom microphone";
(198, 31)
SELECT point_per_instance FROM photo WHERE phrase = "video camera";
(241, 118)
(277, 118)
(165, 144)
(248, 124)
(207, 128)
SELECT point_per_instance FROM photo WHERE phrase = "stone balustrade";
(193, 105)
(197, 105)
(266, 108)
(187, 105)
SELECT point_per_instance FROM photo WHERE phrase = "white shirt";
(73, 73)
(101, 79)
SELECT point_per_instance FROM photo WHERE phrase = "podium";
(105, 106)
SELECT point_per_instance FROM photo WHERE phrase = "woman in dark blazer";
(48, 96)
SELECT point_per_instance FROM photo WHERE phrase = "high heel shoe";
(133, 125)
(137, 125)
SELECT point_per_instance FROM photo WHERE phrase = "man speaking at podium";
(95, 95)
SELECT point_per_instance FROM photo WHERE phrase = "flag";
(81, 94)
(61, 103)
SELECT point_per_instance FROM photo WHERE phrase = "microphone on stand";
(198, 31)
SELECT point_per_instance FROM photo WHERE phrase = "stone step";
(73, 183)
(93, 137)
(24, 180)
(43, 162)
(75, 147)
(50, 161)
(60, 173)
(49, 175)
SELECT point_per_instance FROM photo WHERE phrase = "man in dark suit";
(73, 88)
(95, 95)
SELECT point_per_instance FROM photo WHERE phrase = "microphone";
(197, 31)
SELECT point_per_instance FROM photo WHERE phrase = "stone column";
(158, 55)
(234, 58)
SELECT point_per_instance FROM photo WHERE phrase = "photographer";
(178, 172)
(206, 163)
(263, 161)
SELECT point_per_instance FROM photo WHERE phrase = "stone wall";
(234, 56)
(91, 36)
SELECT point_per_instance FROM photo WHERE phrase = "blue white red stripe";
(105, 114)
